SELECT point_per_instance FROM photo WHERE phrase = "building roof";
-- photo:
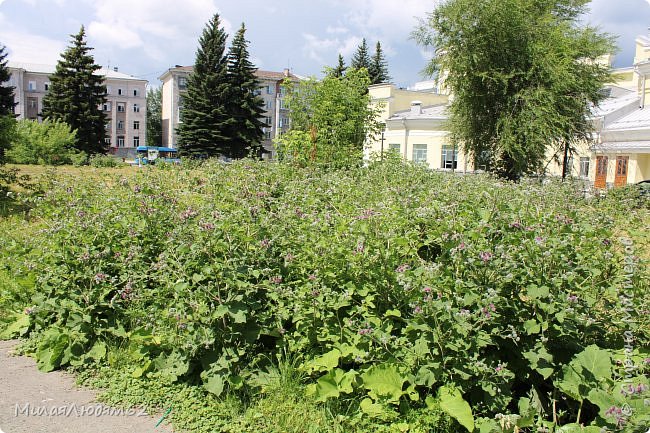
(431, 112)
(638, 119)
(623, 146)
(39, 68)
(259, 73)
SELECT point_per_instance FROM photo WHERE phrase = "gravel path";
(32, 401)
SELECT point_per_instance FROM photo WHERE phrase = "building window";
(268, 120)
(31, 86)
(47, 86)
(119, 92)
(120, 125)
(269, 105)
(449, 157)
(267, 134)
(136, 141)
(108, 90)
(136, 108)
(107, 141)
(395, 147)
(282, 105)
(284, 122)
(420, 153)
(257, 92)
(107, 126)
(584, 167)
(120, 141)
(121, 107)
(182, 83)
(270, 89)
(136, 92)
(136, 124)
(106, 106)
(32, 103)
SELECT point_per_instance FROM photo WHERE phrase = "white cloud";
(340, 29)
(386, 20)
(324, 50)
(23, 47)
(153, 24)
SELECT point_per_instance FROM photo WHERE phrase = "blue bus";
(151, 154)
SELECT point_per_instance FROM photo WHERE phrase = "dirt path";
(32, 401)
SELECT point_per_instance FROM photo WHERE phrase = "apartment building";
(276, 115)
(125, 108)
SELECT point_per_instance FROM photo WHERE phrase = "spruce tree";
(361, 58)
(154, 117)
(7, 104)
(205, 116)
(339, 70)
(246, 107)
(378, 70)
(76, 95)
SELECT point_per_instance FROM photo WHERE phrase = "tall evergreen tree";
(206, 120)
(77, 94)
(246, 107)
(339, 70)
(7, 104)
(361, 58)
(154, 117)
(378, 69)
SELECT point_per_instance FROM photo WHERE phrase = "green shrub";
(104, 161)
(44, 143)
(397, 291)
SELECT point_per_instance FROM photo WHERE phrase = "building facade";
(276, 115)
(125, 108)
(415, 127)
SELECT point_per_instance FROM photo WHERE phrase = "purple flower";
(402, 268)
(572, 298)
(264, 243)
(188, 213)
(516, 225)
(417, 310)
(276, 280)
(30, 310)
(539, 240)
(461, 246)
(365, 331)
(486, 256)
(359, 248)
(427, 290)
(208, 226)
(312, 277)
(607, 242)
(315, 293)
(100, 277)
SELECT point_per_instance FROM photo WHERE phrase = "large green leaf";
(452, 402)
(596, 361)
(334, 383)
(384, 381)
(214, 385)
(325, 362)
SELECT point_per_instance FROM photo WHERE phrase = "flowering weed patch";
(406, 297)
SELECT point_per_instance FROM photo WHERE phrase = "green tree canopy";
(154, 116)
(246, 107)
(330, 120)
(205, 118)
(76, 95)
(378, 69)
(523, 73)
(361, 58)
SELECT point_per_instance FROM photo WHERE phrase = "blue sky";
(146, 37)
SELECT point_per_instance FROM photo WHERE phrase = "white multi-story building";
(276, 115)
(125, 108)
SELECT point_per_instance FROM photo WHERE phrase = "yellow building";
(415, 127)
